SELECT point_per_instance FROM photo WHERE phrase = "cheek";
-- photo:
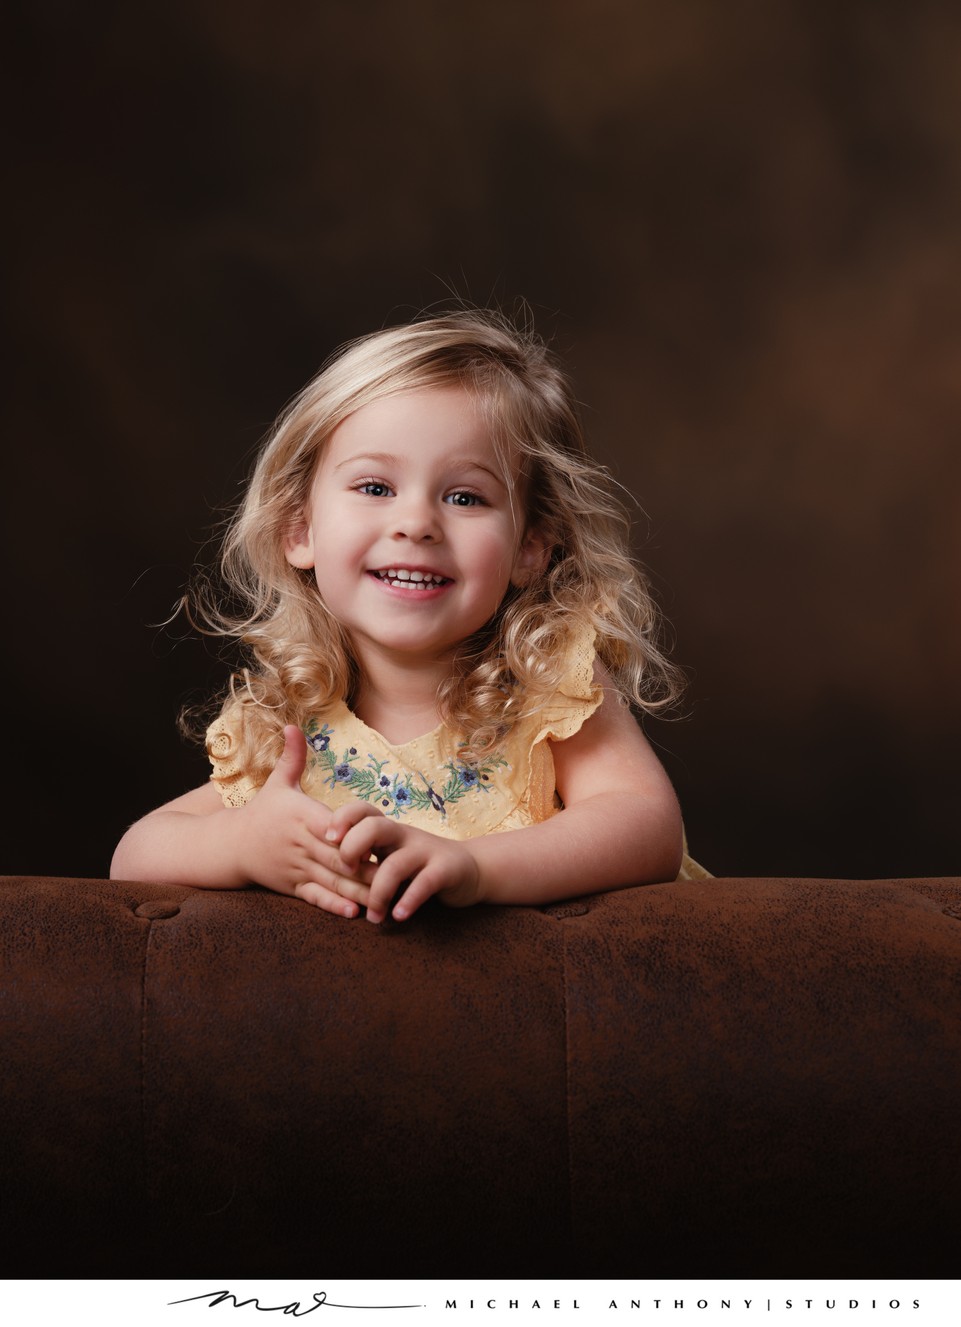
(339, 532)
(496, 560)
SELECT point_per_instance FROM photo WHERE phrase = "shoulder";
(609, 752)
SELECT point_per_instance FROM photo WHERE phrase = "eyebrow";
(382, 458)
(388, 458)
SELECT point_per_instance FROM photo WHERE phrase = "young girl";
(445, 630)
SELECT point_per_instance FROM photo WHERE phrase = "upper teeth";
(402, 574)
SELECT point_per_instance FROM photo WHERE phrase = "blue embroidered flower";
(319, 741)
(402, 796)
(463, 778)
(342, 773)
(384, 781)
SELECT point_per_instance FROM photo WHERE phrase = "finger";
(293, 759)
(360, 841)
(345, 817)
(424, 886)
(420, 880)
(355, 891)
(320, 897)
(397, 870)
(322, 857)
(364, 873)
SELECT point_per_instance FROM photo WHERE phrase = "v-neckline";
(393, 746)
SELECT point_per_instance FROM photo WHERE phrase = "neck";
(398, 698)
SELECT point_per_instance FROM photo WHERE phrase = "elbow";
(673, 860)
(119, 867)
(656, 845)
(675, 844)
(663, 859)
(125, 863)
(667, 855)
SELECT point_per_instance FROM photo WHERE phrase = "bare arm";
(621, 822)
(276, 840)
(188, 841)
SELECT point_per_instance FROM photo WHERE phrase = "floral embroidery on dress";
(319, 740)
(396, 793)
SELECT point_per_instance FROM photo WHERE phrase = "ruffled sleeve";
(576, 698)
(561, 716)
(235, 785)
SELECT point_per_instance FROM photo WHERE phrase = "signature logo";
(293, 1309)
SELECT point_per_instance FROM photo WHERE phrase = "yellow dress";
(424, 782)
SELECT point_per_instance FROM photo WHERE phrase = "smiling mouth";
(402, 579)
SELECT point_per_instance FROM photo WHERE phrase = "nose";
(415, 518)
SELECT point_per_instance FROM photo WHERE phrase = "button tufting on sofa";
(156, 910)
(562, 910)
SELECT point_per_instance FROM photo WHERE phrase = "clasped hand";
(350, 858)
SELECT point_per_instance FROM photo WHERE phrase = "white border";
(331, 1302)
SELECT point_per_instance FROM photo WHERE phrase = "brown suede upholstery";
(738, 1077)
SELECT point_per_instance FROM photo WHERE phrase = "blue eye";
(373, 488)
(462, 497)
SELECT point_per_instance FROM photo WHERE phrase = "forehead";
(433, 422)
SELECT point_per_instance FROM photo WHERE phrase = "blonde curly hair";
(299, 657)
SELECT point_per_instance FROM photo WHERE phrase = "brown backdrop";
(739, 222)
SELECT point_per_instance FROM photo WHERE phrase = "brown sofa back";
(737, 1077)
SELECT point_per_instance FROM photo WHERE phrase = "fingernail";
(331, 836)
